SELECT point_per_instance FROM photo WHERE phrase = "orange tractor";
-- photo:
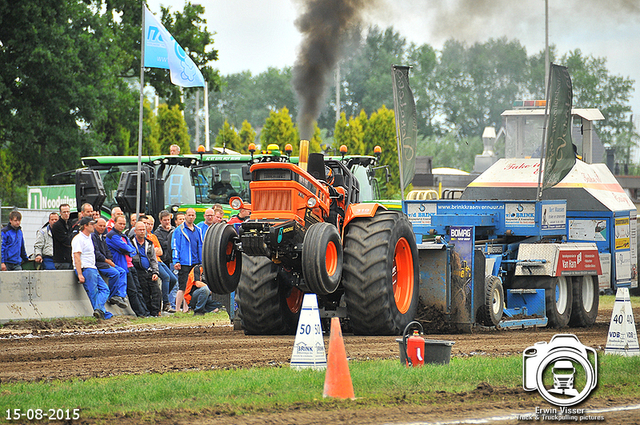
(308, 233)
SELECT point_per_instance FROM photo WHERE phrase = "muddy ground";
(35, 351)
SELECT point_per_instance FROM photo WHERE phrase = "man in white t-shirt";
(84, 263)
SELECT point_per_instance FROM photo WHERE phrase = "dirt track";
(75, 355)
(84, 353)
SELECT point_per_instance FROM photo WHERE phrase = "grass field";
(242, 391)
(246, 391)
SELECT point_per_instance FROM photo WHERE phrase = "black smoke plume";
(325, 26)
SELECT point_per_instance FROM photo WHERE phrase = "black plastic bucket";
(435, 351)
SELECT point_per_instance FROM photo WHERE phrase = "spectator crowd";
(124, 263)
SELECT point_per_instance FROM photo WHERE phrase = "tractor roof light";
(343, 151)
(288, 149)
(312, 202)
(377, 151)
(201, 149)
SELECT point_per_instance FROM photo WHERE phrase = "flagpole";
(140, 116)
(544, 135)
(206, 116)
(396, 108)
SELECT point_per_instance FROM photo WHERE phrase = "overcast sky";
(257, 34)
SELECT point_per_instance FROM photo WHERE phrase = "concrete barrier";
(45, 294)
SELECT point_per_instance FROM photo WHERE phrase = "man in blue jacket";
(186, 245)
(122, 250)
(13, 251)
(114, 274)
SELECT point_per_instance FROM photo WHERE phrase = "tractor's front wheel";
(266, 304)
(221, 260)
(322, 258)
(380, 273)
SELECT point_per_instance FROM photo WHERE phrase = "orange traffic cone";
(337, 382)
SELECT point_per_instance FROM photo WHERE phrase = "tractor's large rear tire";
(266, 305)
(221, 260)
(322, 258)
(586, 300)
(380, 273)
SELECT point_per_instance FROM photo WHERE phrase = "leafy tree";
(368, 73)
(7, 187)
(478, 83)
(58, 77)
(189, 29)
(315, 142)
(150, 133)
(172, 129)
(247, 97)
(273, 89)
(233, 103)
(349, 133)
(228, 137)
(64, 81)
(279, 129)
(381, 131)
(364, 120)
(451, 151)
(117, 132)
(595, 87)
(423, 82)
(247, 135)
(535, 80)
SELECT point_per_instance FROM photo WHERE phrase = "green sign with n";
(50, 197)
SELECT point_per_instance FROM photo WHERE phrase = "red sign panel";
(578, 262)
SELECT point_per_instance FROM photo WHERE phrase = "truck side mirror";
(126, 193)
(246, 173)
(89, 189)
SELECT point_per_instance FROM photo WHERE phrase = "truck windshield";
(219, 183)
(523, 136)
(178, 188)
(368, 188)
(110, 179)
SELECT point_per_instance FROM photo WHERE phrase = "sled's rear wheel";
(585, 301)
(558, 298)
(490, 313)
(380, 273)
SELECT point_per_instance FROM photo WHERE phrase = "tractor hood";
(587, 187)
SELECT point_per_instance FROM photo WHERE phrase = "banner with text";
(406, 123)
(559, 155)
(50, 197)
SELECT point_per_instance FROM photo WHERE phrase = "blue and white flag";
(161, 50)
